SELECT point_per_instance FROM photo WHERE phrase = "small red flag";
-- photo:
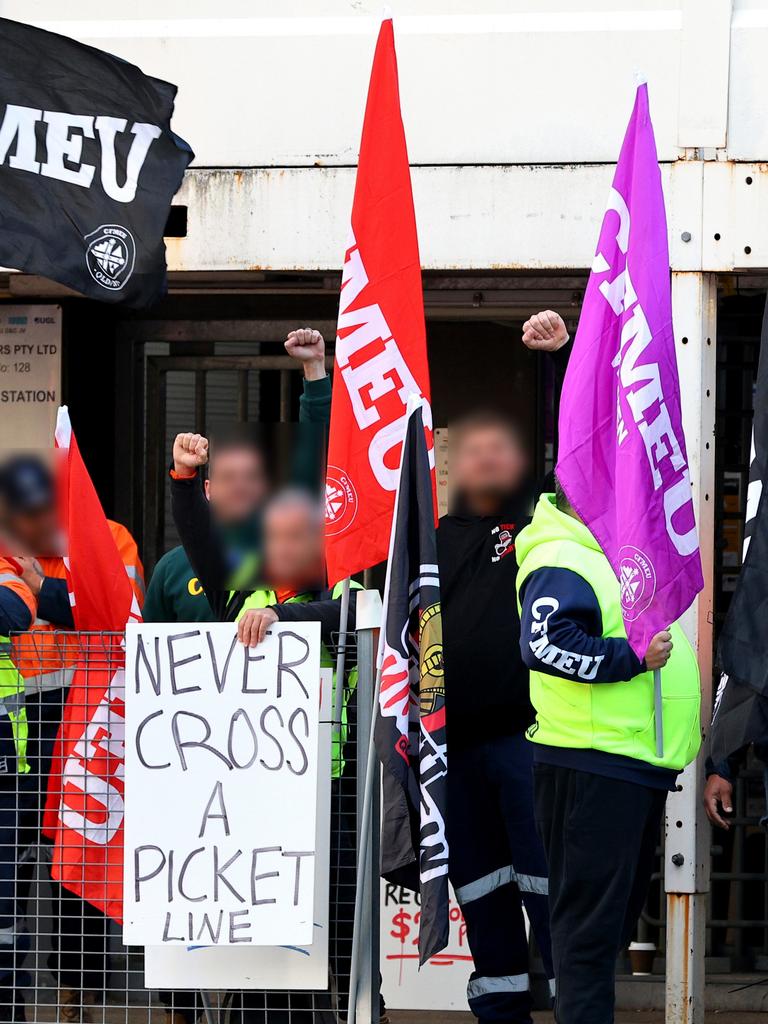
(381, 348)
(84, 809)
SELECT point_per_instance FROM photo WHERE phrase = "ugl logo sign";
(65, 136)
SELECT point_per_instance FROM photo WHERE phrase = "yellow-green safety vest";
(263, 599)
(615, 717)
(12, 704)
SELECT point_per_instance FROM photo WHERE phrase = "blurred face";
(36, 533)
(488, 462)
(237, 484)
(293, 545)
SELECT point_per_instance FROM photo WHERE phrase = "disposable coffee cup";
(641, 957)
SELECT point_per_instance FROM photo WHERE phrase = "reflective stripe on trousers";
(45, 681)
(13, 704)
(494, 986)
(495, 879)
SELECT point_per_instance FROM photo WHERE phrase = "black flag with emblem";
(741, 705)
(88, 166)
(410, 724)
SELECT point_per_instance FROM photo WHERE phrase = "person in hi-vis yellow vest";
(45, 659)
(600, 786)
(293, 561)
(18, 609)
(293, 591)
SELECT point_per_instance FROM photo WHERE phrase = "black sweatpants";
(497, 867)
(600, 836)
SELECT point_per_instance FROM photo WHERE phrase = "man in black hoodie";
(497, 860)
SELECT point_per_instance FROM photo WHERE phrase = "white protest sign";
(220, 785)
(264, 967)
(441, 984)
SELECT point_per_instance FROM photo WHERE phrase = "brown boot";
(71, 1006)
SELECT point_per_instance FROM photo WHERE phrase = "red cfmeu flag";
(84, 809)
(381, 348)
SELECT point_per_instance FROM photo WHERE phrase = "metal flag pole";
(363, 938)
(657, 712)
(362, 917)
(341, 657)
(364, 899)
(210, 1017)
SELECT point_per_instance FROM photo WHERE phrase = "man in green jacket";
(600, 786)
(236, 487)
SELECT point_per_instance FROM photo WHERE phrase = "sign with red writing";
(441, 984)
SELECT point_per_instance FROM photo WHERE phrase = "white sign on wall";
(441, 984)
(30, 374)
(264, 967)
(221, 785)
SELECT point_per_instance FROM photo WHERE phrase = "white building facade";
(514, 113)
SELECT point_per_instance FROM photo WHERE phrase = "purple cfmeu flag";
(622, 460)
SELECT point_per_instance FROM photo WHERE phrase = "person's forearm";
(570, 654)
(314, 369)
(198, 534)
(15, 616)
(723, 769)
(327, 612)
(53, 603)
(315, 400)
(561, 626)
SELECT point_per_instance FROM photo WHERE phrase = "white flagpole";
(657, 712)
(362, 857)
(414, 402)
(341, 657)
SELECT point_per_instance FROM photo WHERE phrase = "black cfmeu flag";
(410, 725)
(741, 706)
(88, 166)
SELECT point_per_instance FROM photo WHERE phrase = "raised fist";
(545, 331)
(190, 451)
(308, 347)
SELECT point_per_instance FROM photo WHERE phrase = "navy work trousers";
(498, 867)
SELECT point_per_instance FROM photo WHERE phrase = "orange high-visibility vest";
(46, 658)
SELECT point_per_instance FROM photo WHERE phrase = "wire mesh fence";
(62, 958)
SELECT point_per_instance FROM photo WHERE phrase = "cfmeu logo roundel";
(340, 501)
(637, 580)
(110, 255)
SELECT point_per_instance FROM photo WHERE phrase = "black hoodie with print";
(487, 690)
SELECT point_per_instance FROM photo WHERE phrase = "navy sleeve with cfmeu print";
(561, 627)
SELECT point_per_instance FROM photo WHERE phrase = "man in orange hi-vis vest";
(33, 572)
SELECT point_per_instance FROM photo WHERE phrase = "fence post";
(364, 975)
(688, 834)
